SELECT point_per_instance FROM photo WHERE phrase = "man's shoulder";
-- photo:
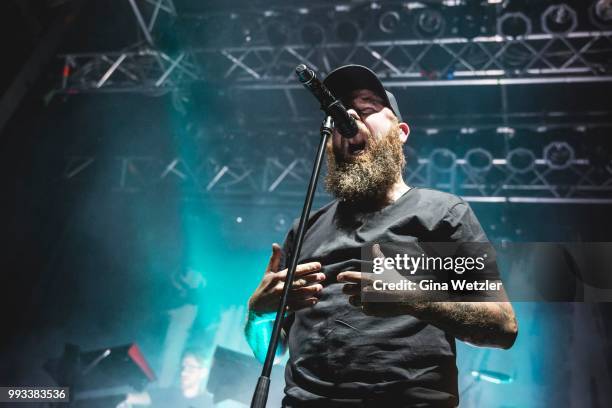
(448, 213)
(435, 200)
(315, 215)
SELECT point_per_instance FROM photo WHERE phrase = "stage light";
(347, 31)
(312, 34)
(603, 10)
(429, 23)
(520, 160)
(559, 155)
(451, 3)
(513, 25)
(479, 160)
(600, 14)
(504, 130)
(442, 160)
(389, 22)
(559, 19)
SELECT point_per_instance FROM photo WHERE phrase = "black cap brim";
(346, 79)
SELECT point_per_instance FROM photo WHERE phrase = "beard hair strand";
(370, 176)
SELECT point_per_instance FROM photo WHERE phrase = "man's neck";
(397, 190)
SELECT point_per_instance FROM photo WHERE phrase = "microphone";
(344, 122)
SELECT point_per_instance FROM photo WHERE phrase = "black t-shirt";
(339, 356)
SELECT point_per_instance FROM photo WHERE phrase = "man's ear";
(405, 129)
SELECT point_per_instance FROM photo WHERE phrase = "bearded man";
(343, 352)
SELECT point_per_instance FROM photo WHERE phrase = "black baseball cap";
(344, 80)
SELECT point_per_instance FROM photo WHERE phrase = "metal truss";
(553, 175)
(142, 67)
(533, 59)
(148, 14)
(145, 70)
(535, 180)
(496, 60)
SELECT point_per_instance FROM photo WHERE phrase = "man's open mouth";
(357, 148)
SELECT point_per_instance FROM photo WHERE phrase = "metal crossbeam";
(534, 59)
(537, 58)
(524, 175)
(148, 13)
(143, 70)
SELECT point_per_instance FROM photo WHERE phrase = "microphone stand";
(260, 396)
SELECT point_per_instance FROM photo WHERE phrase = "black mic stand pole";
(260, 396)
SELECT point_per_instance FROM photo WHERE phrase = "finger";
(309, 291)
(351, 277)
(351, 289)
(301, 270)
(308, 280)
(274, 262)
(377, 252)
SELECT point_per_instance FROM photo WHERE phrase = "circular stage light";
(603, 9)
(520, 160)
(559, 19)
(442, 160)
(600, 14)
(559, 155)
(479, 160)
(429, 23)
(389, 22)
(514, 25)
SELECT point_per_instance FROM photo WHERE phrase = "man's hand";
(304, 292)
(359, 286)
(489, 324)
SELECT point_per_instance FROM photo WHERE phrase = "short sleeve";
(464, 224)
(472, 243)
